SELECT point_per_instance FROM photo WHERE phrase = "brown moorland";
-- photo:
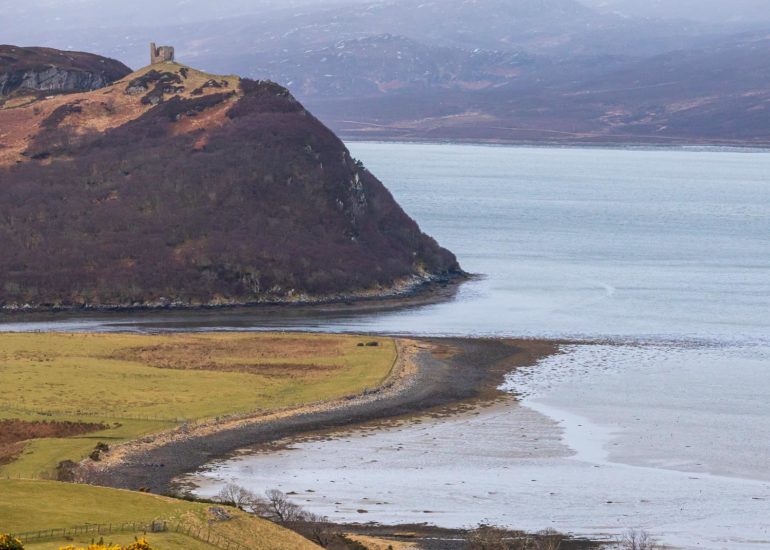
(13, 434)
(173, 187)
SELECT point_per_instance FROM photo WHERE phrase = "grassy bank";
(135, 385)
(40, 505)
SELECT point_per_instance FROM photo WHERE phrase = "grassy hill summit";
(174, 187)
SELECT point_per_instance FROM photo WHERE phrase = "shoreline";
(426, 292)
(540, 144)
(431, 375)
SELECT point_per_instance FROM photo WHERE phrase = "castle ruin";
(161, 54)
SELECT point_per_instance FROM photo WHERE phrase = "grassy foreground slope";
(39, 505)
(139, 384)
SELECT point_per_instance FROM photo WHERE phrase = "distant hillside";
(712, 95)
(176, 187)
(33, 70)
(386, 64)
(708, 11)
(544, 71)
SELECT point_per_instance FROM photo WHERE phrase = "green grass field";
(140, 384)
(40, 505)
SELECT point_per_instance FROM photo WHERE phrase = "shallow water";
(667, 426)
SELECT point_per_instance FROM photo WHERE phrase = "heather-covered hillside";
(177, 187)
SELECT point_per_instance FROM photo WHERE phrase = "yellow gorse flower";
(140, 544)
(7, 542)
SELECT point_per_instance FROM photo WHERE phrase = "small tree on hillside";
(279, 508)
(319, 529)
(235, 495)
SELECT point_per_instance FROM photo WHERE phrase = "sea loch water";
(662, 254)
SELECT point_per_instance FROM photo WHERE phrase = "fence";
(97, 529)
(201, 533)
(209, 537)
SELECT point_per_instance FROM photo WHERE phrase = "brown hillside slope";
(174, 187)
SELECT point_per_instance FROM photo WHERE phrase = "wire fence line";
(200, 533)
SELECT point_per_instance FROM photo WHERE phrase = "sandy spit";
(439, 375)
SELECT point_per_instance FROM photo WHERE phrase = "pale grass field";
(140, 384)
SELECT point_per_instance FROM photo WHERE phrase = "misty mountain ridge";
(474, 69)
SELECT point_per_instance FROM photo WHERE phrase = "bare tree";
(279, 508)
(548, 539)
(318, 529)
(235, 495)
(488, 537)
(635, 539)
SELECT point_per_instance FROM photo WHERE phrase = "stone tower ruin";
(161, 54)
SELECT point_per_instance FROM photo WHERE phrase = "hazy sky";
(68, 12)
(711, 11)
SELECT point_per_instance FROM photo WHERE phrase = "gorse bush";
(7, 542)
(140, 544)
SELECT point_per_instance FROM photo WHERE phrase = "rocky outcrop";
(30, 70)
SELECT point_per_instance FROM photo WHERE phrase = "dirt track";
(432, 374)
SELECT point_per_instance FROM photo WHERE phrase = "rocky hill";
(173, 187)
(34, 71)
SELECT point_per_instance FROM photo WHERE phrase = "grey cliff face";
(51, 79)
(45, 70)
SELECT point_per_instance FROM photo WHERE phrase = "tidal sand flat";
(581, 454)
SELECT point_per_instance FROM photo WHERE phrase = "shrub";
(637, 540)
(7, 542)
(140, 544)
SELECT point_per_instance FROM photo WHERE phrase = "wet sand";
(438, 375)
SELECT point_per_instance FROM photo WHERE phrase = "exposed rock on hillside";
(175, 187)
(32, 70)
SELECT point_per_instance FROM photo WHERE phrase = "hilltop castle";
(161, 54)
